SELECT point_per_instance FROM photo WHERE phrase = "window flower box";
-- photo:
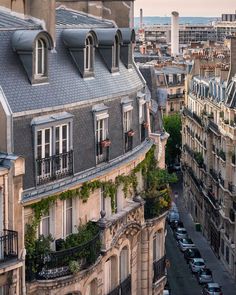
(105, 143)
(131, 133)
(145, 125)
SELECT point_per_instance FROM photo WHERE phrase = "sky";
(184, 7)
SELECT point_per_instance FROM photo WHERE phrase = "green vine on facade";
(129, 183)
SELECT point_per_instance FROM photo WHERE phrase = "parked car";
(204, 276)
(176, 223)
(173, 216)
(191, 253)
(180, 233)
(197, 264)
(212, 289)
(185, 244)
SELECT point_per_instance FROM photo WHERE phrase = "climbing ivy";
(129, 183)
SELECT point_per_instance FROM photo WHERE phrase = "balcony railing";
(214, 174)
(123, 289)
(8, 245)
(232, 215)
(193, 115)
(159, 267)
(56, 264)
(54, 167)
(212, 125)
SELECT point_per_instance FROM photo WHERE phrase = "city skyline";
(201, 8)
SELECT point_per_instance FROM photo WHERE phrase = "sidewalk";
(220, 274)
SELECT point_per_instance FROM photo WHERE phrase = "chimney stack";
(141, 18)
(174, 33)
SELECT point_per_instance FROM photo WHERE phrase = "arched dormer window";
(115, 53)
(88, 54)
(40, 57)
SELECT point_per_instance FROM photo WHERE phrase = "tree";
(172, 125)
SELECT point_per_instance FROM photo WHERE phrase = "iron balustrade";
(214, 174)
(55, 264)
(8, 245)
(123, 289)
(212, 125)
(54, 167)
(159, 268)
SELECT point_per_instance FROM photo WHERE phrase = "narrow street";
(181, 281)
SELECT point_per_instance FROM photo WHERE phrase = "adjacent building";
(75, 107)
(208, 154)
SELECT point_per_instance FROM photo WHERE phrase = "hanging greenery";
(129, 183)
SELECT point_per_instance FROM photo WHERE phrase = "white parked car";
(180, 233)
(185, 244)
(197, 264)
(173, 216)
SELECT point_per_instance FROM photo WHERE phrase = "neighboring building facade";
(208, 157)
(78, 113)
(11, 224)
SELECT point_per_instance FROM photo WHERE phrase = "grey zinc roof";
(67, 17)
(65, 86)
(10, 21)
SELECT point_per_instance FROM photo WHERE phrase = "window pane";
(45, 226)
(39, 137)
(68, 221)
(47, 135)
(64, 132)
(57, 133)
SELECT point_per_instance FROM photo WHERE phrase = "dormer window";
(115, 53)
(40, 57)
(88, 54)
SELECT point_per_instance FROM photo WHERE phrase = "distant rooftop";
(66, 17)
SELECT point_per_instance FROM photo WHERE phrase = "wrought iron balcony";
(8, 245)
(232, 188)
(123, 289)
(159, 267)
(54, 167)
(55, 264)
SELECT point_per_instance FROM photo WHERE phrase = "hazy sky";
(185, 7)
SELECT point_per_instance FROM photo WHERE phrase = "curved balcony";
(56, 264)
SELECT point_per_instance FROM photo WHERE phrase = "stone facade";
(208, 156)
(11, 225)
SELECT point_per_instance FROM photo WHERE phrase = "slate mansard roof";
(66, 86)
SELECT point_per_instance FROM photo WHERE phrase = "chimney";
(174, 33)
(141, 18)
(44, 10)
(232, 70)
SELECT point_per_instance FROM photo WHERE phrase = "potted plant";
(131, 132)
(145, 125)
(105, 143)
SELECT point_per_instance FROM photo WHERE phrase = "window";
(92, 288)
(68, 223)
(115, 53)
(127, 125)
(110, 274)
(157, 245)
(40, 57)
(45, 225)
(227, 254)
(127, 120)
(53, 148)
(88, 63)
(124, 264)
(102, 140)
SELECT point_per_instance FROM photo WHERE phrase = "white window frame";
(48, 216)
(40, 46)
(42, 147)
(101, 124)
(127, 119)
(65, 212)
(88, 54)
